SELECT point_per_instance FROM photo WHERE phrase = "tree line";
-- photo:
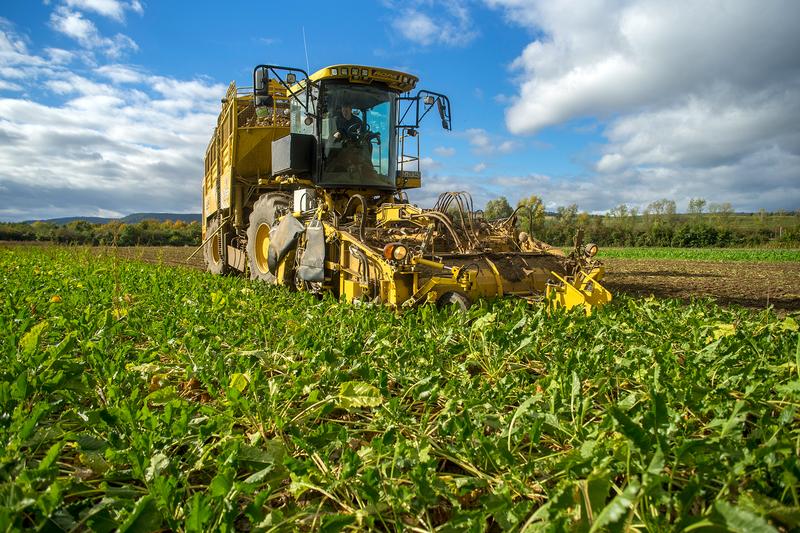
(144, 233)
(659, 224)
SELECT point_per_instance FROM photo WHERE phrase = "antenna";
(305, 46)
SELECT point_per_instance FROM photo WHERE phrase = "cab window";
(357, 136)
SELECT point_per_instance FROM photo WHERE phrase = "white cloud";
(686, 92)
(417, 27)
(705, 133)
(444, 151)
(119, 139)
(428, 164)
(480, 167)
(768, 181)
(434, 22)
(73, 24)
(606, 57)
(9, 86)
(109, 8)
(59, 56)
(120, 73)
(507, 147)
(485, 144)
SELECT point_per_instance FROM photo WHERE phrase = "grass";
(144, 397)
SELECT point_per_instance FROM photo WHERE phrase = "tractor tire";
(212, 251)
(262, 218)
(453, 299)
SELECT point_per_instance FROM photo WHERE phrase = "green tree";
(697, 205)
(618, 213)
(531, 216)
(661, 211)
(567, 215)
(722, 213)
(497, 208)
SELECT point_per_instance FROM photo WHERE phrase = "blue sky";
(106, 105)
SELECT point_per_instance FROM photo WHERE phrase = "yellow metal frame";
(239, 154)
(585, 290)
(401, 285)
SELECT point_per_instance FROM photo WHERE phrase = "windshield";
(357, 136)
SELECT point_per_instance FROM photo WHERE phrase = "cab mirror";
(262, 81)
(443, 114)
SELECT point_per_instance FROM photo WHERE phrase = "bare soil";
(755, 285)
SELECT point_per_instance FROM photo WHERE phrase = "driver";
(348, 126)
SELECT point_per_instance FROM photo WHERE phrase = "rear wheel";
(262, 218)
(212, 251)
(455, 299)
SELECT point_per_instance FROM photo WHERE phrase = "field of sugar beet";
(139, 395)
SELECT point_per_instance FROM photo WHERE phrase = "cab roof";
(394, 79)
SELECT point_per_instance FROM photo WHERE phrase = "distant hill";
(138, 217)
(133, 218)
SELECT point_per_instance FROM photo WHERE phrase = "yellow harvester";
(304, 186)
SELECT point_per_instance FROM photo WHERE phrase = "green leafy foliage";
(704, 254)
(155, 398)
(144, 232)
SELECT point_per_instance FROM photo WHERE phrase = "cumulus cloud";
(434, 22)
(119, 139)
(697, 91)
(444, 151)
(483, 143)
(427, 164)
(73, 24)
(762, 179)
(109, 8)
(606, 57)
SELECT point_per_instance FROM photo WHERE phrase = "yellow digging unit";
(304, 186)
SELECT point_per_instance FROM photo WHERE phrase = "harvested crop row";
(156, 397)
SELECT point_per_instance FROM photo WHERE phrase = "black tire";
(212, 251)
(262, 218)
(453, 299)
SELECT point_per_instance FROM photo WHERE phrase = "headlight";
(395, 251)
(591, 249)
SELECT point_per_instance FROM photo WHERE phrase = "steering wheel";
(353, 130)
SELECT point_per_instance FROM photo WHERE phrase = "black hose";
(363, 223)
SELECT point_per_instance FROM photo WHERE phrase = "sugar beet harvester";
(304, 186)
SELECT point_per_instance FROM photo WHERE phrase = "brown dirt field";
(754, 285)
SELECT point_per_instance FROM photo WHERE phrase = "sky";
(106, 106)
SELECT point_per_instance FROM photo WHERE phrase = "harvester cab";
(304, 186)
(351, 127)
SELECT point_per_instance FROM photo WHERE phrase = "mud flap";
(283, 238)
(312, 264)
